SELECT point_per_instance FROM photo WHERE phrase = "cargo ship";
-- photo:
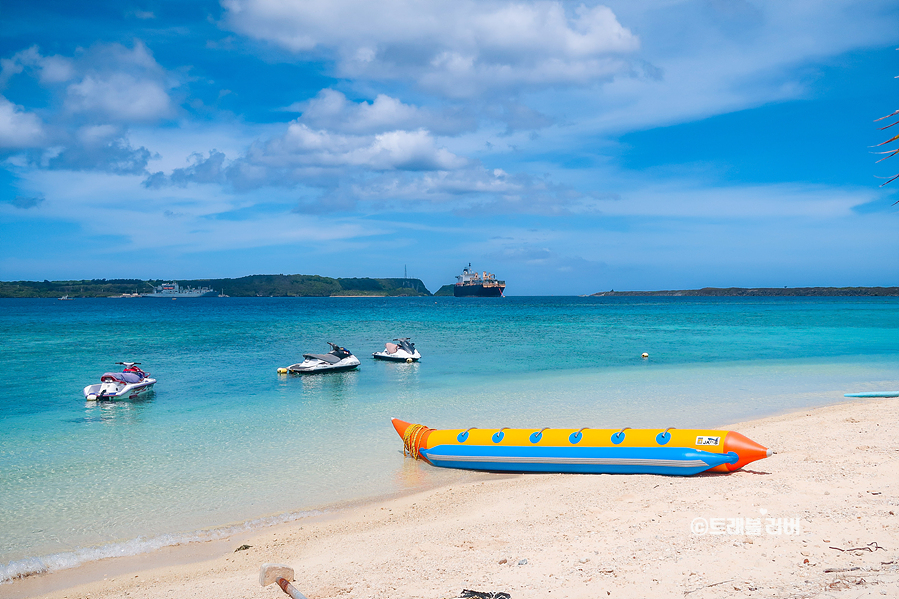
(472, 284)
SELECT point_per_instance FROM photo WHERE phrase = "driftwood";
(867, 547)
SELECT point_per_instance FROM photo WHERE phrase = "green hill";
(251, 286)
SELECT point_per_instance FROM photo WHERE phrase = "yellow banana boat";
(586, 450)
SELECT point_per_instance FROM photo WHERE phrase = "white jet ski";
(339, 358)
(129, 383)
(401, 351)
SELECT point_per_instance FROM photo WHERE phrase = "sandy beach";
(818, 519)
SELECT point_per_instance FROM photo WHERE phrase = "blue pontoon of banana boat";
(401, 351)
(129, 383)
(339, 358)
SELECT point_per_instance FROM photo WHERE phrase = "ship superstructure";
(173, 290)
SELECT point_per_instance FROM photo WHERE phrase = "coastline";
(574, 535)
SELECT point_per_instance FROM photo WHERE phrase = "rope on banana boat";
(411, 439)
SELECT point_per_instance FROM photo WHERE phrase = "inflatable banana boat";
(587, 450)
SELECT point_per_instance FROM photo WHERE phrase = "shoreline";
(577, 535)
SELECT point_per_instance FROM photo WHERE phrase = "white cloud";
(709, 58)
(330, 109)
(105, 81)
(121, 84)
(458, 48)
(302, 157)
(18, 129)
(101, 91)
(49, 69)
(119, 96)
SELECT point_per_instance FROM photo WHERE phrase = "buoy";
(408, 360)
(645, 355)
(282, 371)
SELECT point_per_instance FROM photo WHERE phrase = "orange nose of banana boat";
(415, 437)
(746, 449)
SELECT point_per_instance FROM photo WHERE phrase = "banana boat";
(587, 450)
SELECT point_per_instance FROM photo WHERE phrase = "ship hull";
(181, 294)
(477, 291)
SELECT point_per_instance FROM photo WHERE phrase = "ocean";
(225, 444)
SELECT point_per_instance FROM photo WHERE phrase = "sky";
(567, 147)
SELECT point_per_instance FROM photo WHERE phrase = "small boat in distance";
(66, 298)
(336, 360)
(401, 351)
(472, 284)
(129, 383)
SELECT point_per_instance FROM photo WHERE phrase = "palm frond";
(883, 143)
(893, 153)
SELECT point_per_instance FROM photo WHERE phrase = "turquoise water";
(224, 443)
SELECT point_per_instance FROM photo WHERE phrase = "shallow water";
(225, 443)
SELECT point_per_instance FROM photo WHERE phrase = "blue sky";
(569, 147)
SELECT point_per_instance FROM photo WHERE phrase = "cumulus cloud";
(94, 96)
(331, 110)
(122, 85)
(18, 128)
(103, 148)
(101, 83)
(201, 170)
(304, 155)
(48, 69)
(457, 48)
(119, 96)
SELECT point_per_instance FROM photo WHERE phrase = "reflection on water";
(402, 373)
(336, 385)
(123, 410)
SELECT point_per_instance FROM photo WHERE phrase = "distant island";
(250, 286)
(762, 292)
(318, 286)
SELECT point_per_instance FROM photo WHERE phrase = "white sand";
(590, 536)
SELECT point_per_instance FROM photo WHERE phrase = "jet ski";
(401, 351)
(129, 383)
(339, 358)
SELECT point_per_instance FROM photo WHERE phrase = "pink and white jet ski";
(129, 383)
(401, 351)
